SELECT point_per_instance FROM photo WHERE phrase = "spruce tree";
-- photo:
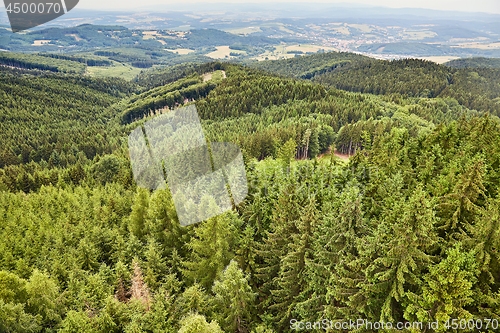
(233, 299)
(210, 250)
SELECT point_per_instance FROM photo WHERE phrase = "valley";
(370, 146)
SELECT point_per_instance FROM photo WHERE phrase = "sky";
(485, 6)
(489, 6)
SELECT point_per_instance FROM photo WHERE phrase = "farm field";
(481, 46)
(180, 51)
(244, 31)
(286, 51)
(440, 59)
(223, 52)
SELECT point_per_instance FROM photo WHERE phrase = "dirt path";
(208, 76)
(343, 157)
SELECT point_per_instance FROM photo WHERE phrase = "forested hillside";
(308, 67)
(474, 63)
(406, 230)
(25, 61)
(475, 86)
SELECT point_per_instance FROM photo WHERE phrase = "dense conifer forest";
(405, 230)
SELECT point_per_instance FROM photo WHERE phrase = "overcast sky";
(487, 6)
(490, 6)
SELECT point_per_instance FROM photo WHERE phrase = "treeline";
(162, 76)
(212, 37)
(478, 62)
(57, 114)
(260, 112)
(83, 60)
(136, 56)
(28, 61)
(473, 88)
(410, 77)
(143, 56)
(168, 96)
(309, 66)
(401, 233)
(406, 231)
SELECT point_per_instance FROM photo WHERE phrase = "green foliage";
(40, 62)
(43, 294)
(196, 323)
(13, 319)
(287, 152)
(234, 295)
(310, 66)
(448, 288)
(474, 88)
(210, 249)
(161, 76)
(168, 96)
(474, 63)
(406, 230)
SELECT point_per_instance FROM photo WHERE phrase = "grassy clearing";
(342, 30)
(117, 70)
(285, 29)
(40, 42)
(76, 37)
(284, 51)
(244, 31)
(362, 27)
(216, 76)
(418, 35)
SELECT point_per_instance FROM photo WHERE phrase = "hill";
(405, 231)
(475, 88)
(27, 61)
(66, 114)
(307, 67)
(474, 63)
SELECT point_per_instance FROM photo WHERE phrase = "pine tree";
(447, 289)
(162, 224)
(156, 266)
(461, 208)
(210, 250)
(275, 245)
(122, 291)
(138, 216)
(287, 152)
(291, 281)
(192, 300)
(404, 238)
(233, 299)
(485, 242)
(43, 298)
(196, 323)
(331, 273)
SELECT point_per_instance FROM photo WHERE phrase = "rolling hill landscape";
(373, 184)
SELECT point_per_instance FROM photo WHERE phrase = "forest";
(373, 194)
